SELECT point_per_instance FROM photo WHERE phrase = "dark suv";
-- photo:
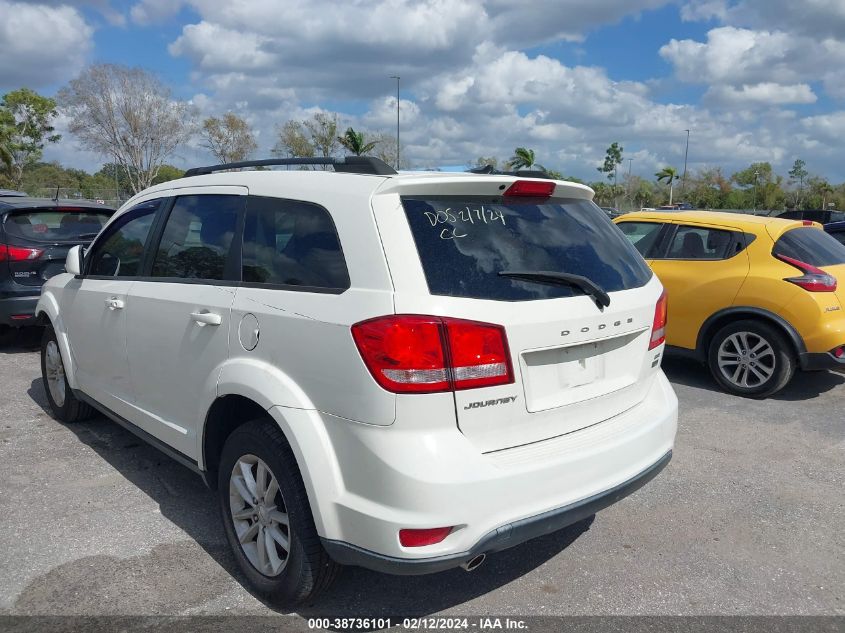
(35, 236)
(822, 216)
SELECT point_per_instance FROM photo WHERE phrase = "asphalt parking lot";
(747, 519)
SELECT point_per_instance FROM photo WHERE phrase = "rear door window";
(463, 243)
(57, 225)
(291, 243)
(197, 238)
(811, 246)
(695, 242)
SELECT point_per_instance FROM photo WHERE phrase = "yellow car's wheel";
(751, 358)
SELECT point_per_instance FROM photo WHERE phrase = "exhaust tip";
(474, 563)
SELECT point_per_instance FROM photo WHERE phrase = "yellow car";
(754, 297)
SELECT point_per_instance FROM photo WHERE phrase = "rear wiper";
(588, 286)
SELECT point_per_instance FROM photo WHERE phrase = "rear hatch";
(576, 361)
(37, 240)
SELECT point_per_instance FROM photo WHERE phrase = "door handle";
(206, 318)
(114, 303)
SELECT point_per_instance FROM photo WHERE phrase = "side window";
(692, 242)
(839, 236)
(119, 252)
(292, 243)
(197, 237)
(643, 235)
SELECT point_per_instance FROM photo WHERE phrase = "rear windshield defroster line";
(463, 244)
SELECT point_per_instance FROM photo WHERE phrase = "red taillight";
(658, 327)
(839, 352)
(18, 254)
(530, 189)
(813, 280)
(418, 538)
(425, 354)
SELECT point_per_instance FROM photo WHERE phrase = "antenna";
(56, 198)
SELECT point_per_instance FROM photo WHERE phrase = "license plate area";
(559, 376)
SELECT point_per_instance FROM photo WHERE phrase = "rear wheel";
(63, 404)
(267, 517)
(751, 358)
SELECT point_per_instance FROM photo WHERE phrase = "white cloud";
(765, 94)
(149, 12)
(41, 44)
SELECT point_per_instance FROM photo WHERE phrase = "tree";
(25, 119)
(293, 141)
(354, 142)
(484, 161)
(798, 173)
(229, 139)
(128, 115)
(323, 129)
(612, 160)
(670, 175)
(523, 158)
(168, 172)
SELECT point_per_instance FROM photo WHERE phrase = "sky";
(753, 80)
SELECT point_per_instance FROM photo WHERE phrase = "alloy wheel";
(746, 360)
(259, 515)
(55, 373)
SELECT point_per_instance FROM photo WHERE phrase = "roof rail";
(525, 173)
(347, 164)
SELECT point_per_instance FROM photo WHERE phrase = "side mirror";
(73, 263)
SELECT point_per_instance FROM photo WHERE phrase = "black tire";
(308, 570)
(71, 409)
(779, 360)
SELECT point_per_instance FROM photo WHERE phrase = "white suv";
(404, 372)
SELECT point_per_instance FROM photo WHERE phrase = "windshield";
(56, 225)
(464, 243)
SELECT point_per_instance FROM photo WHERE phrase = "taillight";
(426, 354)
(530, 189)
(419, 538)
(813, 280)
(18, 254)
(839, 352)
(658, 326)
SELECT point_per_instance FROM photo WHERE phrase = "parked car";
(35, 236)
(837, 230)
(404, 372)
(754, 297)
(822, 216)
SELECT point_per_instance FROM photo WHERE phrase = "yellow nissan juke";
(754, 297)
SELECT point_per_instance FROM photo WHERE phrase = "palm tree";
(522, 158)
(670, 175)
(354, 142)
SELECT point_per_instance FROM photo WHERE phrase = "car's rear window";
(464, 243)
(56, 225)
(811, 246)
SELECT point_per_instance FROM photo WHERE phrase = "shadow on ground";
(19, 340)
(803, 386)
(170, 577)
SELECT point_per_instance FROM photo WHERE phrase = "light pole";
(686, 155)
(396, 77)
(628, 184)
(756, 177)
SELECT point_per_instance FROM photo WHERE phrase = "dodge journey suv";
(404, 372)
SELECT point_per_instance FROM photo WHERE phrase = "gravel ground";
(747, 519)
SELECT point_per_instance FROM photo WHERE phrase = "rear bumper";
(421, 474)
(18, 311)
(810, 361)
(501, 538)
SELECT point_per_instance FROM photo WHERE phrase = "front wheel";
(267, 517)
(751, 358)
(63, 404)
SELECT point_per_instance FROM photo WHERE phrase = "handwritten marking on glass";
(460, 218)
